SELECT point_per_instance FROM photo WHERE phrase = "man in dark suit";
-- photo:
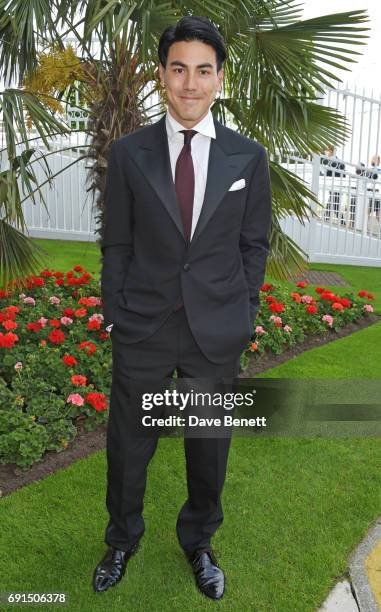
(187, 218)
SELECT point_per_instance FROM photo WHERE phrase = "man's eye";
(178, 69)
(204, 72)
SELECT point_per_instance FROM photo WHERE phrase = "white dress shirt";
(200, 145)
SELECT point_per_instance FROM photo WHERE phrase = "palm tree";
(277, 66)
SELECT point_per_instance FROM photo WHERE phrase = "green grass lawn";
(355, 356)
(294, 508)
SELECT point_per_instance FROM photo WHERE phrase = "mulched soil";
(320, 277)
(86, 443)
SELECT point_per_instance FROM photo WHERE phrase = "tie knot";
(188, 135)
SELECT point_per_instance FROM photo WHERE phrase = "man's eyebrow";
(178, 63)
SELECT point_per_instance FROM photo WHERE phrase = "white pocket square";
(238, 185)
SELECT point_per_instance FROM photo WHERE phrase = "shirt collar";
(204, 127)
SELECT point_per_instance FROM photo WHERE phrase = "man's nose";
(190, 81)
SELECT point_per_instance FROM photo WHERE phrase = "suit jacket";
(148, 265)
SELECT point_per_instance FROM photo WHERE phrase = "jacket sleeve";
(117, 242)
(254, 238)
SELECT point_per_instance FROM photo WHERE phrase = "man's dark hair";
(192, 28)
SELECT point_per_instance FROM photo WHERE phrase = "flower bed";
(286, 317)
(55, 356)
(55, 364)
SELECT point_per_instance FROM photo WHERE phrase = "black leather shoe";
(210, 578)
(112, 567)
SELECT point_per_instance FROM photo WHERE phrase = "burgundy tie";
(184, 182)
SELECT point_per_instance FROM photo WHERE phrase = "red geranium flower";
(311, 309)
(270, 298)
(11, 310)
(337, 306)
(319, 289)
(78, 380)
(345, 302)
(68, 312)
(69, 360)
(78, 269)
(80, 312)
(58, 281)
(54, 323)
(266, 287)
(36, 326)
(302, 284)
(370, 296)
(93, 324)
(91, 348)
(8, 324)
(46, 273)
(56, 336)
(327, 295)
(297, 297)
(276, 307)
(97, 400)
(8, 340)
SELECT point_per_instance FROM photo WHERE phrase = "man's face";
(191, 80)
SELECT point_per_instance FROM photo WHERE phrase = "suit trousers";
(152, 362)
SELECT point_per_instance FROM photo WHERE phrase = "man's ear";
(220, 76)
(161, 73)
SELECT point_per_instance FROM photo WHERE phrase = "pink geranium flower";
(327, 319)
(54, 300)
(97, 316)
(277, 320)
(368, 307)
(29, 300)
(287, 328)
(66, 320)
(76, 399)
(259, 330)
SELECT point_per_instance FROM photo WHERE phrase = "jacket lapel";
(225, 166)
(153, 160)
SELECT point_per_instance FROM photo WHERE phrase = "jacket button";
(186, 267)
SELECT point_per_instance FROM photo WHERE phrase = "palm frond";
(19, 256)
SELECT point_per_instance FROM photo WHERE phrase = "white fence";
(68, 210)
(347, 226)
